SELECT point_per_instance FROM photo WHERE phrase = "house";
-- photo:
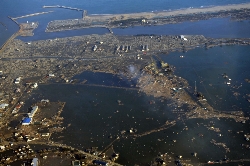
(34, 85)
(51, 75)
(183, 37)
(2, 147)
(94, 48)
(26, 121)
(45, 134)
(45, 100)
(18, 79)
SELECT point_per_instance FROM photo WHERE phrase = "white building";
(3, 106)
(51, 75)
(183, 37)
(26, 121)
(33, 111)
(18, 79)
(45, 100)
(2, 147)
(35, 162)
(35, 85)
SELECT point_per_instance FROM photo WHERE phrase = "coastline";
(131, 57)
(151, 15)
(235, 12)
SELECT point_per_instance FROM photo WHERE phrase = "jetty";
(34, 14)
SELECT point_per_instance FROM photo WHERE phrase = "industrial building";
(34, 162)
(3, 106)
(26, 121)
(76, 163)
(33, 111)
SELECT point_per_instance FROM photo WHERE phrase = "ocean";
(93, 112)
(23, 7)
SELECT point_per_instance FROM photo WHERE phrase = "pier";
(34, 14)
(84, 14)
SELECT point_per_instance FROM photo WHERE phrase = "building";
(45, 100)
(18, 79)
(26, 121)
(94, 48)
(51, 75)
(178, 163)
(34, 162)
(76, 163)
(33, 111)
(98, 162)
(35, 85)
(2, 147)
(183, 37)
(3, 106)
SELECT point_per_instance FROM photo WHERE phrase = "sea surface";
(17, 8)
(96, 118)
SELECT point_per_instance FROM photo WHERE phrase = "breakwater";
(11, 38)
(64, 7)
(34, 14)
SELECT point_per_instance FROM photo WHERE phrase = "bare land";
(151, 15)
(235, 12)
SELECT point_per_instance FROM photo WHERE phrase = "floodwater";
(96, 118)
(95, 115)
(207, 67)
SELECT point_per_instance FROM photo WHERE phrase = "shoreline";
(235, 12)
(180, 11)
(130, 57)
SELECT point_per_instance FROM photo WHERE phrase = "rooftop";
(26, 121)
